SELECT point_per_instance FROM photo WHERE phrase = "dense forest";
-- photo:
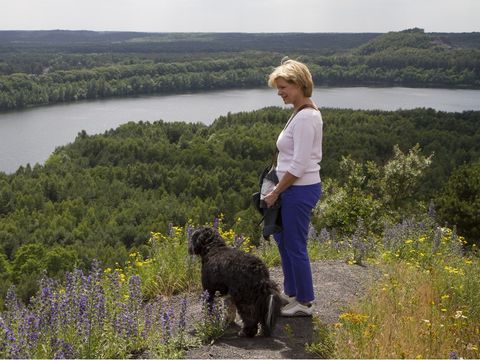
(103, 195)
(38, 68)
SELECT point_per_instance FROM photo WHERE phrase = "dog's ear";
(200, 238)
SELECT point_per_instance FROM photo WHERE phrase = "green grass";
(425, 305)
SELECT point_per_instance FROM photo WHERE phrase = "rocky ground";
(336, 285)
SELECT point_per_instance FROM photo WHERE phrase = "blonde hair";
(293, 72)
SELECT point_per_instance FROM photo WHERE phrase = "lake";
(30, 136)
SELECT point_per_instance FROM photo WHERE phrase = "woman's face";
(289, 92)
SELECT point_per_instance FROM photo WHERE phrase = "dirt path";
(336, 284)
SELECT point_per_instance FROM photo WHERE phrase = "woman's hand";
(271, 198)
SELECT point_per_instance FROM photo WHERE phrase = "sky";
(241, 15)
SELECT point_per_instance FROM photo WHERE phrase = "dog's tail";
(272, 304)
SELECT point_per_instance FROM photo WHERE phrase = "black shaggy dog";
(242, 276)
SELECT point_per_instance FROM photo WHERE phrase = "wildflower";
(183, 314)
(452, 270)
(408, 241)
(459, 315)
(444, 297)
(471, 347)
(353, 317)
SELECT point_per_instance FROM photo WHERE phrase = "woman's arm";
(287, 180)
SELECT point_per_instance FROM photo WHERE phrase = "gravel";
(336, 285)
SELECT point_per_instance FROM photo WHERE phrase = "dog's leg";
(250, 322)
(230, 308)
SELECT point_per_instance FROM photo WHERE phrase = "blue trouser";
(297, 205)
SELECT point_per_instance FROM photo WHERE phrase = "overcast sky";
(241, 15)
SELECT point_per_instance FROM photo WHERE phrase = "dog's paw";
(248, 332)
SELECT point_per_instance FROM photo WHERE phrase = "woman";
(299, 154)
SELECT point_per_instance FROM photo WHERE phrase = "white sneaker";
(287, 299)
(297, 309)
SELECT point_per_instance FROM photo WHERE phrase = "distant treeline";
(102, 195)
(83, 42)
(410, 58)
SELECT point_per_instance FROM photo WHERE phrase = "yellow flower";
(354, 317)
(408, 241)
(452, 270)
(444, 297)
(107, 270)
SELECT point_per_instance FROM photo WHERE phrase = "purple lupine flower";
(147, 320)
(9, 344)
(62, 349)
(27, 333)
(12, 304)
(4, 333)
(157, 312)
(312, 233)
(182, 323)
(119, 325)
(205, 296)
(135, 293)
(167, 317)
(170, 231)
(99, 303)
(33, 329)
(125, 323)
(83, 324)
(215, 223)
(324, 236)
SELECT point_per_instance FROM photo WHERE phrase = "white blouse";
(300, 147)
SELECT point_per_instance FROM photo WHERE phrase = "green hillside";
(103, 195)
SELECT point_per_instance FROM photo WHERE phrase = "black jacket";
(272, 217)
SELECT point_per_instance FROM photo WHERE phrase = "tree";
(373, 193)
(459, 202)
